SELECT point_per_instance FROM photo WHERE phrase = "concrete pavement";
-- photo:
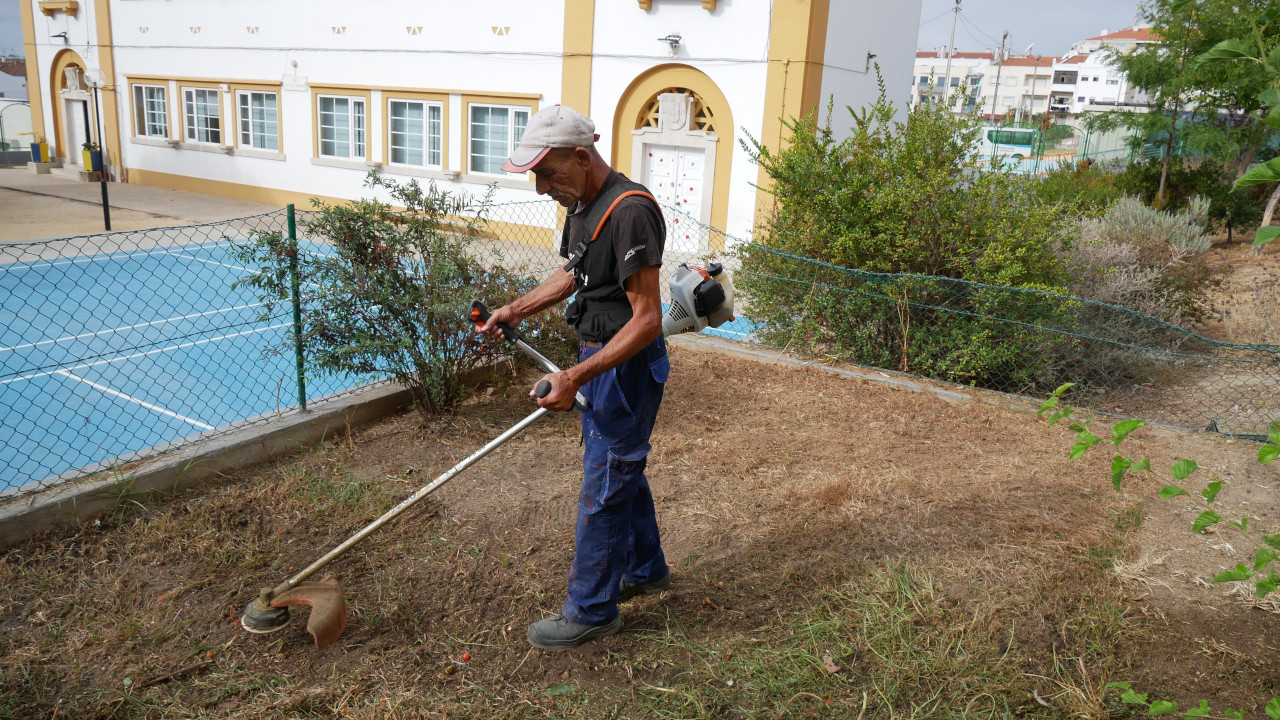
(44, 206)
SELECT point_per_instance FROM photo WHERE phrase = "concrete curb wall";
(75, 502)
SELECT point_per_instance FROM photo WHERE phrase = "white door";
(75, 135)
(676, 176)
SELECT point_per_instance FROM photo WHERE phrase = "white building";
(13, 80)
(1018, 87)
(283, 101)
(1008, 88)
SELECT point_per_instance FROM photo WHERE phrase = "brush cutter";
(269, 612)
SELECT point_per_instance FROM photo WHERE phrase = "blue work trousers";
(617, 531)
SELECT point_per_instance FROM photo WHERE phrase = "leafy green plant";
(1144, 259)
(872, 237)
(389, 289)
(1267, 547)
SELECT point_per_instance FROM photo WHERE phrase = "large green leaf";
(1266, 235)
(1171, 491)
(1183, 468)
(1239, 572)
(1264, 558)
(1266, 172)
(1268, 453)
(1226, 50)
(1267, 585)
(1122, 430)
(1119, 466)
(1211, 490)
(1273, 709)
(1206, 518)
(1270, 97)
(1162, 707)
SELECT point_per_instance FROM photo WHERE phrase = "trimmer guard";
(328, 608)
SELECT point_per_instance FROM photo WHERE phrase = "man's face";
(562, 175)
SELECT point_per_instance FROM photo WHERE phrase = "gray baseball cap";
(557, 126)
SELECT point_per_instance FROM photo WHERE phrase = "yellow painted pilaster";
(793, 85)
(575, 80)
(33, 69)
(108, 96)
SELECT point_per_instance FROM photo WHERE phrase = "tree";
(1208, 109)
(1254, 46)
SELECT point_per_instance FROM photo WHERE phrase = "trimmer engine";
(700, 297)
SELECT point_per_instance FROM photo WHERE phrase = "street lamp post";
(102, 149)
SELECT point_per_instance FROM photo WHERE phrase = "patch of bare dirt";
(772, 484)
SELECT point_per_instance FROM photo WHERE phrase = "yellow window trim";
(346, 91)
(708, 5)
(509, 100)
(184, 85)
(53, 7)
(168, 105)
(389, 94)
(243, 86)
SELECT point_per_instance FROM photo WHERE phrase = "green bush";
(1145, 260)
(902, 197)
(1228, 211)
(388, 296)
(1078, 189)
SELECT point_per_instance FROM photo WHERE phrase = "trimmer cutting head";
(269, 611)
(260, 617)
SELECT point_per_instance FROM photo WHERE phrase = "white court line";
(211, 262)
(143, 354)
(108, 256)
(128, 327)
(146, 405)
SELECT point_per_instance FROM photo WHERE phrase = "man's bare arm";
(552, 290)
(643, 328)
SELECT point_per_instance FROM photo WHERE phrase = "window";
(1113, 82)
(416, 133)
(955, 82)
(150, 114)
(342, 127)
(495, 130)
(259, 120)
(203, 117)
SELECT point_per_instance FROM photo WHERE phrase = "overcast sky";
(1051, 24)
(10, 28)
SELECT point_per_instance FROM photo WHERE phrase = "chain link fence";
(122, 346)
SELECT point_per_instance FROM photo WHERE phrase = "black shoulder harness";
(601, 208)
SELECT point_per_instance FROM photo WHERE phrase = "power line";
(935, 17)
(970, 26)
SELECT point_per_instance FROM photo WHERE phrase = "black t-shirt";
(631, 238)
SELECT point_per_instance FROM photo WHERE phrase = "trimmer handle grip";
(479, 315)
(542, 389)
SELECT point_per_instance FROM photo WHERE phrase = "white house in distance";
(283, 101)
(1016, 87)
(1012, 87)
(13, 80)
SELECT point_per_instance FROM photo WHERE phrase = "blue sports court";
(108, 354)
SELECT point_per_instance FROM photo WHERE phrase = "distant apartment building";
(1015, 87)
(13, 79)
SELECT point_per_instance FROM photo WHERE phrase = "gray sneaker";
(561, 633)
(628, 590)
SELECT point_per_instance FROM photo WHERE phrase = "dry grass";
(947, 558)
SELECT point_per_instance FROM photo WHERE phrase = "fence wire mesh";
(120, 346)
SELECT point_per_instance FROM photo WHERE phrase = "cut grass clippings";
(829, 561)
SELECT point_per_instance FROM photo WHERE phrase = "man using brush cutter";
(613, 241)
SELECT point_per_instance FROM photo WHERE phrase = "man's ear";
(583, 156)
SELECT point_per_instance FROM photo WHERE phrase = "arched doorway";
(673, 131)
(72, 107)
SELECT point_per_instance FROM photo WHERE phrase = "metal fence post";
(297, 308)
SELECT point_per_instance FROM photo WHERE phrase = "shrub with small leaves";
(1260, 571)
(389, 290)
